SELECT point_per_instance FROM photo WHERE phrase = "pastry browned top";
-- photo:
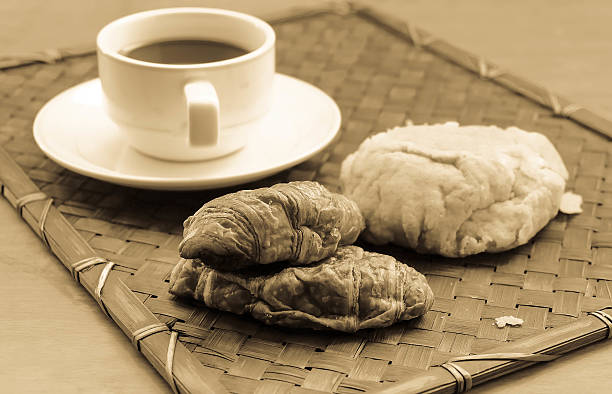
(297, 222)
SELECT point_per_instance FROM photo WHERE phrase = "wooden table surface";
(54, 339)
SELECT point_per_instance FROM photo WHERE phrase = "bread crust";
(297, 223)
(351, 290)
(455, 190)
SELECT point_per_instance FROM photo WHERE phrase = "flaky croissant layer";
(297, 222)
(351, 290)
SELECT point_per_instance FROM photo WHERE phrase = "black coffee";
(184, 52)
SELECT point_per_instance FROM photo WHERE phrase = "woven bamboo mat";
(381, 75)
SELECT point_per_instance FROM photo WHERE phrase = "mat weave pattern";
(380, 80)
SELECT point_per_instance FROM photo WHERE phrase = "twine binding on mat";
(43, 220)
(464, 378)
(170, 360)
(556, 107)
(101, 281)
(604, 317)
(486, 71)
(21, 202)
(80, 265)
(76, 268)
(507, 356)
(28, 198)
(144, 332)
(151, 329)
(418, 39)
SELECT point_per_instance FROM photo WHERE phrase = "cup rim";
(268, 44)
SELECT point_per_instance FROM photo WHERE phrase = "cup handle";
(203, 113)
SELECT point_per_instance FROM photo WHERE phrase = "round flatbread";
(455, 190)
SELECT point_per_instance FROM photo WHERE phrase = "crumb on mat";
(509, 320)
(571, 203)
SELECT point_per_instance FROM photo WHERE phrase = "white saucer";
(73, 130)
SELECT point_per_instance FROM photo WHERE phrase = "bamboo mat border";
(132, 316)
(122, 306)
(555, 341)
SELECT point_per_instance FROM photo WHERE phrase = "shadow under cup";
(147, 100)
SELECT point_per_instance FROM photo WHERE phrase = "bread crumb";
(571, 203)
(509, 320)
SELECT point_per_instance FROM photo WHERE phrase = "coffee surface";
(184, 52)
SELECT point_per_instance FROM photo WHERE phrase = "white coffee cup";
(186, 112)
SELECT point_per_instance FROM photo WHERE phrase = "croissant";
(351, 290)
(297, 223)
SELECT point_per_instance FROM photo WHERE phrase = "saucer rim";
(187, 183)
